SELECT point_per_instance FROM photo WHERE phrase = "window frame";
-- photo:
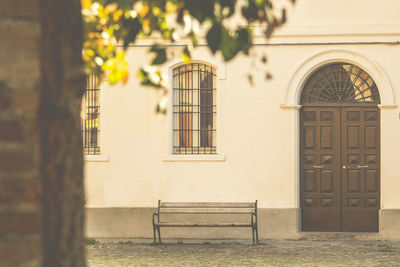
(99, 154)
(194, 109)
(220, 68)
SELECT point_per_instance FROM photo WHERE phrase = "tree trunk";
(63, 83)
(20, 197)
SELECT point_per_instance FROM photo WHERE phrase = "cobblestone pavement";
(268, 253)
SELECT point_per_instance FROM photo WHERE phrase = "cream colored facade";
(257, 127)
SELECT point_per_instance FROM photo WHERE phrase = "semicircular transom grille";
(340, 83)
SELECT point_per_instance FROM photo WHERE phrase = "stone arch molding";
(219, 65)
(295, 86)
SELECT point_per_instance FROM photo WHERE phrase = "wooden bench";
(206, 208)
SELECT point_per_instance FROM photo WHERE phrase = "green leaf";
(161, 54)
(179, 18)
(125, 4)
(145, 78)
(200, 9)
(250, 12)
(229, 46)
(283, 18)
(214, 37)
(244, 40)
(195, 42)
(134, 26)
(230, 4)
(186, 55)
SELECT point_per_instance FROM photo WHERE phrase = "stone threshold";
(340, 236)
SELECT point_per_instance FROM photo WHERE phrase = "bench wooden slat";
(189, 208)
(207, 210)
(207, 204)
(173, 224)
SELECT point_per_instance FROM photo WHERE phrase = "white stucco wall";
(257, 126)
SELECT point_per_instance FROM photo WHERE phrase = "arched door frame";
(291, 101)
(382, 81)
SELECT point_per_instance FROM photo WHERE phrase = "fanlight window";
(340, 83)
(194, 109)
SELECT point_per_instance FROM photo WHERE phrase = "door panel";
(359, 220)
(340, 169)
(320, 142)
(360, 175)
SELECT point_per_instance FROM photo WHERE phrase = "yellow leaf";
(171, 8)
(146, 25)
(120, 55)
(143, 10)
(103, 21)
(117, 14)
(86, 4)
(93, 35)
(124, 76)
(156, 11)
(111, 8)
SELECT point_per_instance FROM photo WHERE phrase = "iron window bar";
(194, 109)
(90, 124)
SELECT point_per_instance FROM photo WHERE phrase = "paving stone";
(242, 253)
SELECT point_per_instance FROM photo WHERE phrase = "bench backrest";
(207, 207)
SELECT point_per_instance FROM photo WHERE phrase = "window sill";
(96, 158)
(179, 158)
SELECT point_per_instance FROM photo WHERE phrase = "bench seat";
(173, 224)
(205, 208)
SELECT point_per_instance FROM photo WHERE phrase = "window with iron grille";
(194, 109)
(90, 122)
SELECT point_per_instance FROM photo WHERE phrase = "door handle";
(362, 166)
(318, 166)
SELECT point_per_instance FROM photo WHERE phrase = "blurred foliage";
(112, 25)
(90, 241)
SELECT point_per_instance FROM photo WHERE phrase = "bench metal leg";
(159, 235)
(256, 233)
(154, 234)
(252, 227)
(155, 227)
(252, 231)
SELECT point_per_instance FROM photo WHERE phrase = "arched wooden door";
(340, 151)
